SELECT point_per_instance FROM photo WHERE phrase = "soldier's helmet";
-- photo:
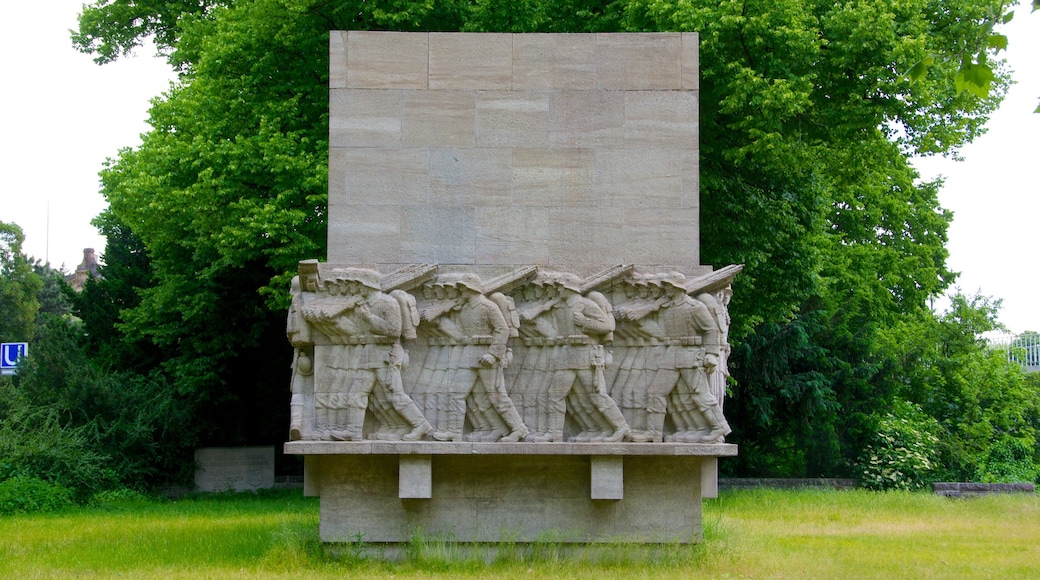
(365, 277)
(336, 277)
(446, 280)
(570, 282)
(674, 279)
(471, 281)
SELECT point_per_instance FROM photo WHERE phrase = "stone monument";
(513, 337)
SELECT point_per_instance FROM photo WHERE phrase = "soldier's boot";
(349, 428)
(719, 426)
(455, 422)
(655, 427)
(296, 418)
(653, 432)
(420, 426)
(617, 423)
(517, 429)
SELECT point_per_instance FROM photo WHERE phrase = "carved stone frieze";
(531, 355)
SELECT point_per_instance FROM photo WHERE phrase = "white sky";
(61, 116)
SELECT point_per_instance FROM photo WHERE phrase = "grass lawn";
(759, 534)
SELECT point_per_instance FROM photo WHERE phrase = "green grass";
(759, 534)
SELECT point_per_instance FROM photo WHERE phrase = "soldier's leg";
(708, 406)
(616, 426)
(560, 384)
(351, 419)
(657, 405)
(493, 383)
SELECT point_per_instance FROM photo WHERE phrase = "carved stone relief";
(533, 355)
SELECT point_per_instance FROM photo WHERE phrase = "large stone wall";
(577, 151)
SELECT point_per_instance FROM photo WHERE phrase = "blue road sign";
(10, 352)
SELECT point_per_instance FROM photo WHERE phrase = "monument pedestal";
(390, 492)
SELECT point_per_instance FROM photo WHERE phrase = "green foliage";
(944, 364)
(976, 73)
(113, 28)
(903, 453)
(18, 287)
(1009, 460)
(39, 443)
(135, 422)
(806, 126)
(24, 495)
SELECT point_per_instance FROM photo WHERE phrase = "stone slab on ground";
(960, 489)
(234, 468)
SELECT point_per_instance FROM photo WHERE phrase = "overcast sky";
(62, 116)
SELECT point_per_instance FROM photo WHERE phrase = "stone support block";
(511, 492)
(415, 480)
(608, 477)
(710, 478)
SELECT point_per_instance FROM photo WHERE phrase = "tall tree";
(807, 122)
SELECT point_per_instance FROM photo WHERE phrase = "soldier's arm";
(591, 318)
(384, 317)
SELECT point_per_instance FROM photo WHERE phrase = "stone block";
(653, 238)
(438, 119)
(415, 480)
(608, 477)
(470, 177)
(476, 61)
(386, 60)
(644, 178)
(710, 478)
(661, 120)
(642, 61)
(337, 60)
(587, 235)
(691, 179)
(234, 468)
(587, 119)
(364, 118)
(380, 176)
(512, 235)
(553, 178)
(441, 234)
(691, 61)
(510, 498)
(367, 234)
(512, 119)
(554, 61)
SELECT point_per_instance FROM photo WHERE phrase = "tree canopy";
(18, 287)
(808, 121)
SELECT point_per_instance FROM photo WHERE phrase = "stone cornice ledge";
(458, 448)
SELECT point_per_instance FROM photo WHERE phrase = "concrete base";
(383, 492)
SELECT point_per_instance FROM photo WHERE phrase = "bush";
(903, 451)
(23, 494)
(37, 443)
(1008, 460)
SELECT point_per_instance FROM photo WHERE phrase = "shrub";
(23, 494)
(903, 451)
(1008, 460)
(37, 442)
